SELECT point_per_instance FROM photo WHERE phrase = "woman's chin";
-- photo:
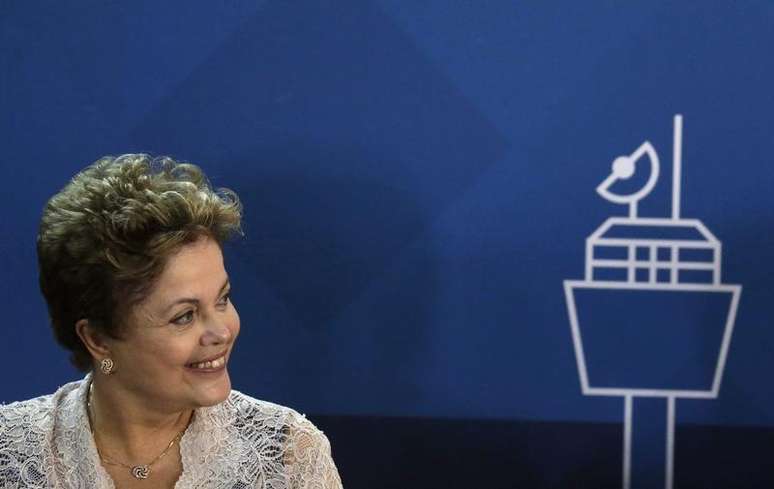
(212, 388)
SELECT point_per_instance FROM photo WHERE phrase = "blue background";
(418, 178)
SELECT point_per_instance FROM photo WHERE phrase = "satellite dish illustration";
(651, 318)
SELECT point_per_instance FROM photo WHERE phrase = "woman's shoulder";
(27, 437)
(40, 403)
(33, 415)
(250, 414)
(246, 407)
(305, 449)
(20, 418)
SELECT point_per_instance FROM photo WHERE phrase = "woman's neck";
(126, 426)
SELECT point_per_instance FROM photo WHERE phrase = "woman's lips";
(210, 365)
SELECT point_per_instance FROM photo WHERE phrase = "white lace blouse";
(240, 443)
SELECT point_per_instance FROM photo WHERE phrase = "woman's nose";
(216, 333)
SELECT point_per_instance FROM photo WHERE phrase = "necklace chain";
(141, 471)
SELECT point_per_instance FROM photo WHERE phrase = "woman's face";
(178, 340)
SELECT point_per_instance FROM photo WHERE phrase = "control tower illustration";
(651, 320)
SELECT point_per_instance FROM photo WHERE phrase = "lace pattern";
(240, 443)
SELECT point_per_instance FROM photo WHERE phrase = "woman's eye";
(183, 318)
(224, 300)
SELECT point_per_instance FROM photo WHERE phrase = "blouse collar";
(202, 443)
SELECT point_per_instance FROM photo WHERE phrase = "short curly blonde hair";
(105, 237)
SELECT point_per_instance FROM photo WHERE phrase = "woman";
(131, 268)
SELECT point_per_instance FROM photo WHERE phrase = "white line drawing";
(653, 259)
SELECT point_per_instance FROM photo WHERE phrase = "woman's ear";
(92, 339)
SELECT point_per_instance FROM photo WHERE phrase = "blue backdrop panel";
(418, 179)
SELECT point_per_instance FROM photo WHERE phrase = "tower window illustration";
(646, 246)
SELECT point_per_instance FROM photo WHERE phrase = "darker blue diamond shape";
(342, 138)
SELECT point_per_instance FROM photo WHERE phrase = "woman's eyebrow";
(193, 300)
(226, 285)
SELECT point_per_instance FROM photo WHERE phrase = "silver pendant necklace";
(142, 471)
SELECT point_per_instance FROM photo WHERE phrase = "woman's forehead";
(197, 268)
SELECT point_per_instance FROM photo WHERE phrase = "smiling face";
(177, 341)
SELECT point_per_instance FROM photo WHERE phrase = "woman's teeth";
(217, 363)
